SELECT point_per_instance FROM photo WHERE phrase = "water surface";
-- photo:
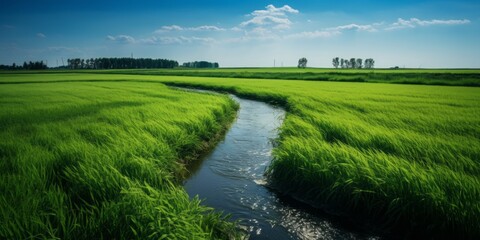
(230, 179)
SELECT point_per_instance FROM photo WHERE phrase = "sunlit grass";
(404, 156)
(447, 77)
(104, 160)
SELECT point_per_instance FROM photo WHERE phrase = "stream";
(230, 179)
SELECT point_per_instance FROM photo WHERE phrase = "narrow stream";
(230, 179)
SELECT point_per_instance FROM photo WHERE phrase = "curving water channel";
(230, 179)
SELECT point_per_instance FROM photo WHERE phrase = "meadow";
(405, 157)
(442, 77)
(105, 160)
(459, 77)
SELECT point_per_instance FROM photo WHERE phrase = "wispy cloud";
(275, 22)
(122, 39)
(357, 27)
(334, 31)
(165, 40)
(171, 28)
(269, 24)
(207, 28)
(415, 22)
(272, 17)
(176, 40)
(314, 34)
(375, 27)
(41, 35)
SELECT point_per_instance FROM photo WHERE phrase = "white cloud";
(271, 10)
(273, 17)
(314, 34)
(415, 22)
(270, 25)
(176, 40)
(276, 22)
(121, 39)
(207, 28)
(41, 35)
(353, 26)
(202, 40)
(375, 27)
(170, 28)
(333, 31)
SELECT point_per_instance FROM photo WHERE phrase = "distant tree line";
(353, 63)
(37, 65)
(200, 64)
(369, 63)
(120, 63)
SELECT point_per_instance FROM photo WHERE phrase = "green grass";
(98, 160)
(447, 77)
(425, 77)
(403, 156)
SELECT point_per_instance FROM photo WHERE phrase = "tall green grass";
(406, 157)
(104, 161)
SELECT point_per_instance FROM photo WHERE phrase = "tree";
(335, 62)
(347, 63)
(302, 63)
(358, 63)
(369, 63)
(342, 63)
(121, 63)
(353, 63)
(200, 64)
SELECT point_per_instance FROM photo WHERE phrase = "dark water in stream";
(230, 179)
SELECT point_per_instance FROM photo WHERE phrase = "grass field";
(404, 156)
(103, 160)
(447, 77)
(411, 76)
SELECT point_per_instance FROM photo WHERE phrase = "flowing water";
(230, 179)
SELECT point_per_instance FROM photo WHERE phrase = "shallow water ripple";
(231, 180)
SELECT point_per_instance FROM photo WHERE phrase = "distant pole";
(274, 62)
(132, 54)
(63, 64)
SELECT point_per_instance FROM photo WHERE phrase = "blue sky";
(427, 34)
